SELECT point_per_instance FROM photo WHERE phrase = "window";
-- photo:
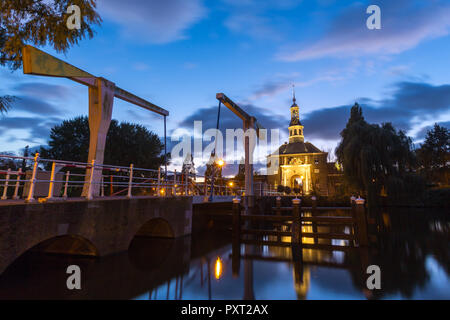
(316, 170)
(316, 161)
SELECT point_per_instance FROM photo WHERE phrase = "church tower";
(295, 126)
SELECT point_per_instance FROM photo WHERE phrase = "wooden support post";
(297, 222)
(102, 190)
(355, 225)
(90, 189)
(16, 189)
(314, 213)
(5, 185)
(278, 212)
(236, 237)
(361, 222)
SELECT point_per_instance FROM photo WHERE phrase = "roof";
(298, 147)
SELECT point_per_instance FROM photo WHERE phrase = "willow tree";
(373, 156)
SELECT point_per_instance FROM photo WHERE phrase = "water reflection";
(411, 248)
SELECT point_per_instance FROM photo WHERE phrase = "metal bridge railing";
(59, 179)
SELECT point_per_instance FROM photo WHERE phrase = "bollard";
(314, 212)
(16, 189)
(52, 182)
(5, 186)
(30, 197)
(91, 178)
(361, 222)
(130, 181)
(297, 222)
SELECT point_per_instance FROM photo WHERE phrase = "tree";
(41, 23)
(5, 103)
(126, 143)
(372, 154)
(434, 154)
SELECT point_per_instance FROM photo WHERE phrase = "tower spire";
(293, 93)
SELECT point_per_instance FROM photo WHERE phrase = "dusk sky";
(179, 53)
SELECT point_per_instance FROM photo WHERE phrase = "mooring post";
(236, 218)
(355, 220)
(30, 197)
(66, 184)
(52, 181)
(278, 212)
(5, 186)
(361, 222)
(314, 213)
(297, 222)
(130, 181)
(16, 189)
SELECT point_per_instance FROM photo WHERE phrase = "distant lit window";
(316, 171)
(316, 161)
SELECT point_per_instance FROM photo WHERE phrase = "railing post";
(102, 190)
(174, 188)
(91, 178)
(66, 184)
(296, 223)
(5, 186)
(33, 178)
(158, 187)
(355, 224)
(361, 222)
(130, 181)
(16, 189)
(52, 181)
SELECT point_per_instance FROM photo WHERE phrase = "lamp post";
(220, 163)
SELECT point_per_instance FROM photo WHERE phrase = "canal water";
(411, 247)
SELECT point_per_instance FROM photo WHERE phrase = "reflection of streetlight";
(218, 268)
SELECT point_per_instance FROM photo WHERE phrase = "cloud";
(407, 101)
(38, 128)
(404, 24)
(154, 21)
(36, 106)
(43, 90)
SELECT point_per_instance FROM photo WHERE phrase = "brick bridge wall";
(98, 227)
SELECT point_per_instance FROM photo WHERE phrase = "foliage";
(434, 155)
(5, 103)
(41, 23)
(126, 143)
(287, 190)
(371, 154)
(280, 188)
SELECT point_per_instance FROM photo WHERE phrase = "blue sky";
(178, 54)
